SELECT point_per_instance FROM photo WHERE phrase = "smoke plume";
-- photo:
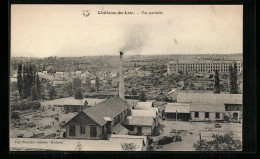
(135, 38)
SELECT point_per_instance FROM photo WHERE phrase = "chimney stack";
(121, 78)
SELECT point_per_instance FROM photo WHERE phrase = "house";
(207, 112)
(181, 110)
(78, 73)
(144, 105)
(93, 82)
(97, 122)
(74, 105)
(59, 73)
(140, 125)
(151, 112)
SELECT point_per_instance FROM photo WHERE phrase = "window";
(93, 131)
(82, 129)
(206, 114)
(75, 109)
(72, 130)
(196, 114)
(217, 115)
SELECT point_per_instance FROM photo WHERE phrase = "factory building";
(202, 66)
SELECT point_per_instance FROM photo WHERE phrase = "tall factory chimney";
(121, 78)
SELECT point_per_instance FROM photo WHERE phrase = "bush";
(26, 105)
(219, 143)
(163, 140)
(129, 146)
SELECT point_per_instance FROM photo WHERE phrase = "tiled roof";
(108, 108)
(140, 120)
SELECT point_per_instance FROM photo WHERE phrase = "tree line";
(28, 82)
(233, 85)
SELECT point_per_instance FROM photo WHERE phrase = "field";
(43, 121)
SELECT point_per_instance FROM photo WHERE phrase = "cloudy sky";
(62, 30)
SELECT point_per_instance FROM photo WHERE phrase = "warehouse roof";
(209, 98)
(204, 107)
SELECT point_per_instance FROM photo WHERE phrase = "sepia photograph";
(126, 77)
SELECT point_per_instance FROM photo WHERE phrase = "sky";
(63, 30)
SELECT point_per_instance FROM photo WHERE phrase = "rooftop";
(209, 98)
(140, 120)
(144, 105)
(150, 112)
(119, 129)
(177, 107)
(204, 107)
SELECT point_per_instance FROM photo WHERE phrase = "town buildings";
(201, 66)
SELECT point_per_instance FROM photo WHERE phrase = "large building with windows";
(202, 66)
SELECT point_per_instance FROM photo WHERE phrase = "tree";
(216, 88)
(142, 96)
(133, 92)
(52, 93)
(28, 80)
(233, 79)
(38, 86)
(78, 94)
(76, 84)
(97, 83)
(88, 83)
(219, 143)
(34, 93)
(20, 80)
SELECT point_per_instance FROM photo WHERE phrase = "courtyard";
(190, 133)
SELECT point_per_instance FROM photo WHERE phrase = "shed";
(140, 125)
(181, 110)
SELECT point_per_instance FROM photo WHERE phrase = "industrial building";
(201, 66)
